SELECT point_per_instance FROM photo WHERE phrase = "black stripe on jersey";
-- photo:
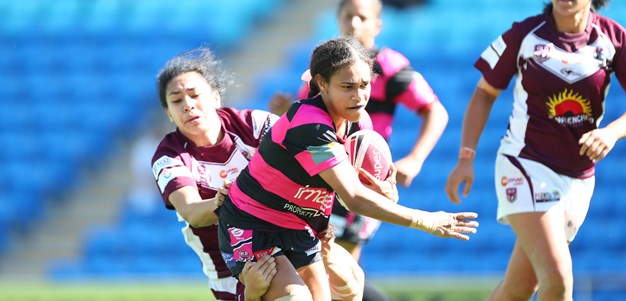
(276, 156)
(358, 144)
(399, 82)
(387, 106)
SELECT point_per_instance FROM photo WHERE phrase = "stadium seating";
(83, 62)
(79, 80)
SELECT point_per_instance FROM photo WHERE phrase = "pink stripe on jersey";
(382, 124)
(418, 95)
(312, 115)
(391, 61)
(316, 198)
(379, 86)
(258, 210)
(279, 130)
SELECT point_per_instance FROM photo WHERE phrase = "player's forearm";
(618, 126)
(476, 117)
(372, 204)
(201, 214)
(435, 120)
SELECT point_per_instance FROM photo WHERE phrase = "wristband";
(467, 153)
(415, 220)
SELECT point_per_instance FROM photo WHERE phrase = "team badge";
(542, 52)
(511, 194)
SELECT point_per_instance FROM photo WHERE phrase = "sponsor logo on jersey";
(164, 162)
(271, 251)
(504, 181)
(225, 172)
(243, 252)
(511, 194)
(569, 108)
(319, 196)
(546, 197)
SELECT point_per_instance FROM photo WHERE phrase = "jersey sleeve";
(498, 62)
(313, 142)
(261, 122)
(403, 84)
(170, 173)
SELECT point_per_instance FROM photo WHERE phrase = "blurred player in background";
(209, 148)
(562, 61)
(396, 82)
(282, 200)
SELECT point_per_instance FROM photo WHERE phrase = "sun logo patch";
(569, 108)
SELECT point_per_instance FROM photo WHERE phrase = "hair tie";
(306, 76)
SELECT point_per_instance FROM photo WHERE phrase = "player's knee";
(299, 293)
(353, 290)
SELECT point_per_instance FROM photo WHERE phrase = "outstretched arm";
(362, 200)
(196, 211)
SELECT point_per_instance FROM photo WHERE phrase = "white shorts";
(527, 186)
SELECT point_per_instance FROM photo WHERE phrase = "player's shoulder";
(608, 25)
(390, 62)
(530, 23)
(172, 145)
(388, 54)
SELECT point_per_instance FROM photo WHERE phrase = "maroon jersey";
(178, 162)
(561, 80)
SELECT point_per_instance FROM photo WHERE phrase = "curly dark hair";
(201, 60)
(334, 54)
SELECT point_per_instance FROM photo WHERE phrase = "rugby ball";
(368, 150)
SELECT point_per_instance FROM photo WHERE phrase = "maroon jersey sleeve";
(499, 62)
(170, 167)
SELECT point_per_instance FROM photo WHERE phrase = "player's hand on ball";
(387, 187)
(447, 225)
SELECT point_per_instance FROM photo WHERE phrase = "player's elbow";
(197, 219)
(436, 113)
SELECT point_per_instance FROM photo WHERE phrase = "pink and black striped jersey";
(561, 81)
(281, 185)
(396, 82)
(178, 162)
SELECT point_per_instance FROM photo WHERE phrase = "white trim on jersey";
(493, 53)
(261, 122)
(167, 175)
(228, 284)
(164, 162)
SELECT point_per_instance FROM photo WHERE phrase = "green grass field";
(405, 290)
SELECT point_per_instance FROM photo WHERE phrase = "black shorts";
(351, 227)
(243, 237)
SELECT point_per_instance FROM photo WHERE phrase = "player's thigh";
(541, 236)
(314, 275)
(520, 276)
(285, 281)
